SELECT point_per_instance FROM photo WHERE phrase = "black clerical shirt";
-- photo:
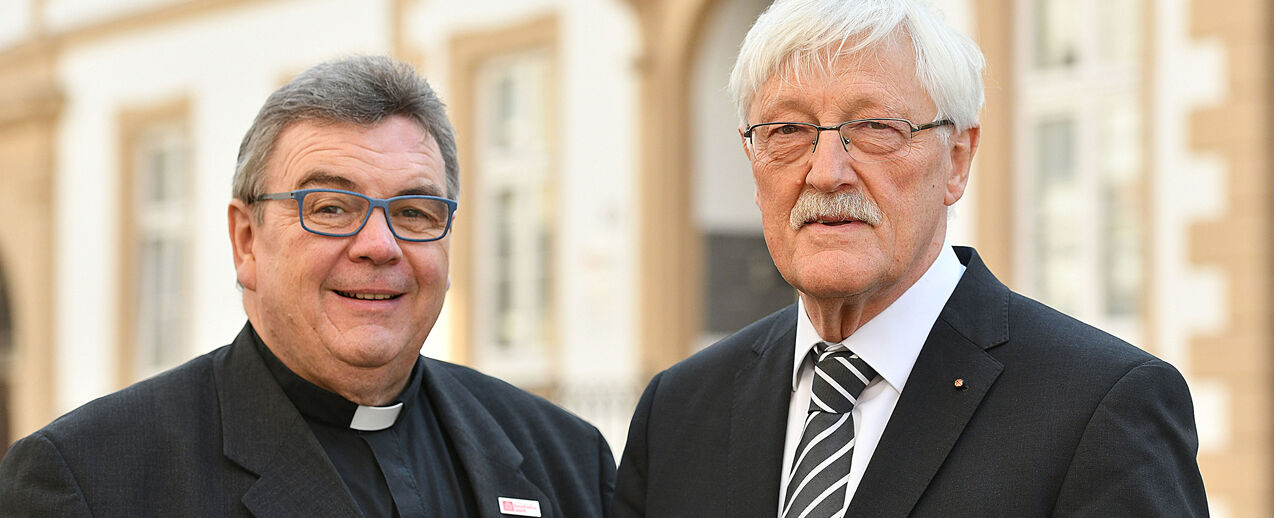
(405, 470)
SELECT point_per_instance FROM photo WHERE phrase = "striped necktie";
(820, 471)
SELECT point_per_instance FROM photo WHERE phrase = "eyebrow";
(325, 179)
(429, 189)
(782, 106)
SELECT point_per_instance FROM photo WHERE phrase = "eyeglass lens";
(410, 217)
(868, 141)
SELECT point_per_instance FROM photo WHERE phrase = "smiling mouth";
(366, 296)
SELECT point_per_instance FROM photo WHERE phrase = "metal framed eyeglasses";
(337, 213)
(866, 140)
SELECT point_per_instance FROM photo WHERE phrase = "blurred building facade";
(606, 226)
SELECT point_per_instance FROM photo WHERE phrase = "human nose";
(376, 241)
(831, 166)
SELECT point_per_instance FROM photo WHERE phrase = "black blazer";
(218, 437)
(1056, 419)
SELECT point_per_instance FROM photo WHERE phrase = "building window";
(515, 237)
(1056, 33)
(160, 228)
(1057, 230)
(1081, 232)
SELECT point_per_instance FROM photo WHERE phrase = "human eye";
(330, 208)
(415, 213)
(784, 134)
(784, 142)
(418, 215)
(880, 124)
(322, 205)
(788, 129)
(876, 137)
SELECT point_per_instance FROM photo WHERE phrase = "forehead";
(385, 155)
(873, 82)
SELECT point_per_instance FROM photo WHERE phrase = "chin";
(369, 351)
(834, 281)
(365, 357)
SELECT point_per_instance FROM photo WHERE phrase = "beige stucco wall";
(29, 105)
(1241, 356)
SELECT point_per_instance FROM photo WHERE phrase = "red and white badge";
(519, 507)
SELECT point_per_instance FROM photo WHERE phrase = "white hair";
(795, 35)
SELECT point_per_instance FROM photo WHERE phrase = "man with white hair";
(906, 380)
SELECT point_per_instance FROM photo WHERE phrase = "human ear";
(964, 144)
(242, 236)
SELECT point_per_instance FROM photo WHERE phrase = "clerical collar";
(316, 403)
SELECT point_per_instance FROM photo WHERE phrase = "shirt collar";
(317, 403)
(891, 341)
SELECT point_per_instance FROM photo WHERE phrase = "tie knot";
(839, 377)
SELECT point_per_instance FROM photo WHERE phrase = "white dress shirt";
(890, 343)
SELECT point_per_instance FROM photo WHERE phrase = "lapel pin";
(959, 384)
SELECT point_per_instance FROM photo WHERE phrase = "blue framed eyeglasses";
(337, 213)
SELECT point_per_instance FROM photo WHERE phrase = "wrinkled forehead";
(396, 146)
(889, 62)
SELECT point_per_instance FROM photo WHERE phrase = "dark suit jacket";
(218, 437)
(1057, 418)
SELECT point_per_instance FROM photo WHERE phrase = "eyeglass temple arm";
(933, 124)
(276, 196)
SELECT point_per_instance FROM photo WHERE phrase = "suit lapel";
(490, 460)
(758, 420)
(932, 412)
(264, 433)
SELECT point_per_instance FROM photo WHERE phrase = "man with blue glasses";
(344, 196)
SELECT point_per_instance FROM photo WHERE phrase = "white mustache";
(841, 205)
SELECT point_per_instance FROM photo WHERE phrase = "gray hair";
(796, 35)
(359, 90)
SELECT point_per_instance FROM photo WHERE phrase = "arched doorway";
(684, 40)
(739, 283)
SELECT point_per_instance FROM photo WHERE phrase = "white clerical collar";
(891, 341)
(374, 418)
